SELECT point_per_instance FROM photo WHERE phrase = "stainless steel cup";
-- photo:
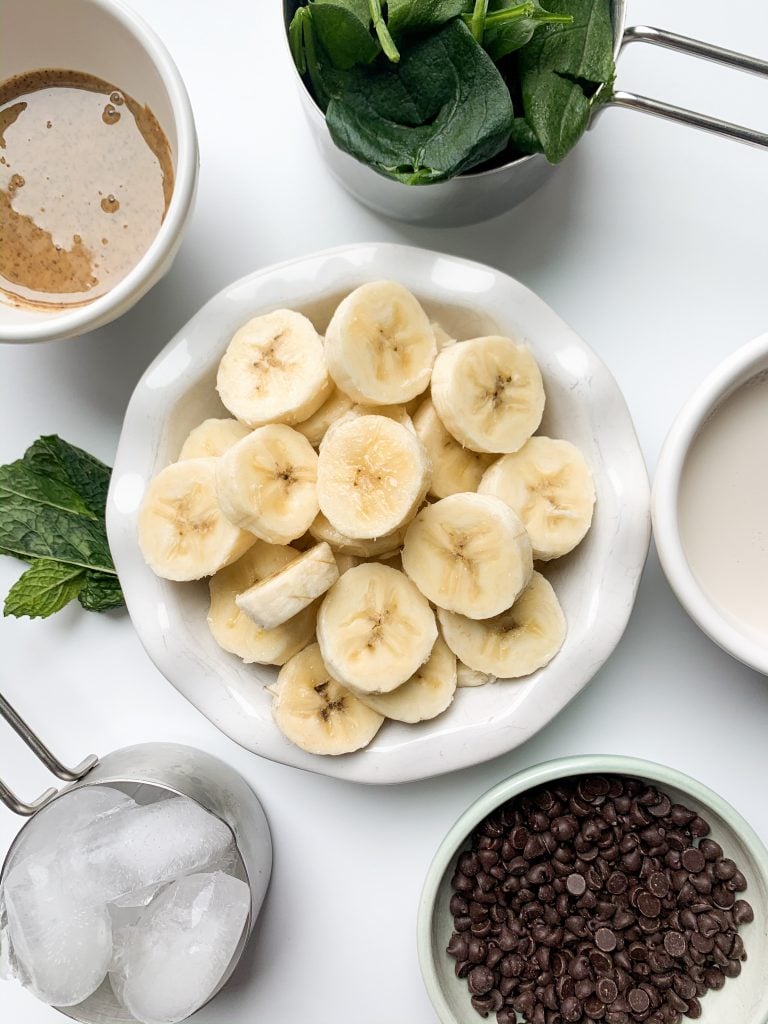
(476, 196)
(146, 772)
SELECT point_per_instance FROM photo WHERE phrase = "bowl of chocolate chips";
(602, 889)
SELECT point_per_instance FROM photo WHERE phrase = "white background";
(652, 242)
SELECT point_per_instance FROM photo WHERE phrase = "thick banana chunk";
(274, 370)
(375, 629)
(183, 532)
(455, 469)
(212, 438)
(233, 630)
(316, 713)
(519, 641)
(372, 475)
(379, 345)
(380, 547)
(330, 412)
(277, 598)
(468, 553)
(549, 485)
(489, 393)
(426, 694)
(267, 483)
(467, 677)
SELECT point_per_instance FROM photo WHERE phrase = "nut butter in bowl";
(98, 166)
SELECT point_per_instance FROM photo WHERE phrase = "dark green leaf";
(296, 39)
(71, 466)
(345, 39)
(523, 139)
(18, 481)
(443, 110)
(418, 15)
(100, 593)
(511, 24)
(44, 589)
(361, 9)
(562, 68)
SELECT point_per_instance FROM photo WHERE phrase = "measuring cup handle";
(695, 48)
(43, 754)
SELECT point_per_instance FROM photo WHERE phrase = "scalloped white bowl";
(596, 584)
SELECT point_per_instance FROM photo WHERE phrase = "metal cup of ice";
(132, 894)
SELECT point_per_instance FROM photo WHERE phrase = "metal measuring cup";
(147, 770)
(478, 195)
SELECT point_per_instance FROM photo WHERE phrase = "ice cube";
(55, 824)
(145, 846)
(61, 942)
(172, 959)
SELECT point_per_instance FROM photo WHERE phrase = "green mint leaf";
(73, 467)
(46, 587)
(444, 109)
(100, 593)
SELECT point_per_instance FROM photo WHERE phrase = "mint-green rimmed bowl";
(743, 1000)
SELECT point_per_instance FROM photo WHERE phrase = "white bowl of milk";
(710, 505)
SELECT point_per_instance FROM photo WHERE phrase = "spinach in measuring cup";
(423, 90)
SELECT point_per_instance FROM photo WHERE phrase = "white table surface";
(652, 243)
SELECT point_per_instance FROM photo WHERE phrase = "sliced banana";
(425, 695)
(549, 485)
(212, 438)
(274, 370)
(277, 598)
(489, 393)
(516, 643)
(380, 547)
(316, 713)
(442, 338)
(379, 345)
(372, 475)
(345, 562)
(455, 469)
(468, 553)
(467, 677)
(375, 629)
(398, 413)
(267, 483)
(233, 630)
(330, 412)
(183, 532)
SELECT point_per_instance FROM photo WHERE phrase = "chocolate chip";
(638, 1000)
(742, 912)
(648, 904)
(658, 884)
(693, 860)
(576, 884)
(605, 940)
(606, 990)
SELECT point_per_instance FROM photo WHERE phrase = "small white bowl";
(596, 584)
(724, 380)
(106, 39)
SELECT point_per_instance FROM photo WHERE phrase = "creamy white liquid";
(724, 508)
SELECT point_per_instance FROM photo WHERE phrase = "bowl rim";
(142, 276)
(537, 775)
(718, 385)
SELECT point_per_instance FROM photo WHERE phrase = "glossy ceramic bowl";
(743, 1000)
(744, 365)
(596, 584)
(106, 39)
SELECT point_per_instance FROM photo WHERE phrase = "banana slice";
(442, 338)
(183, 532)
(488, 392)
(277, 598)
(549, 485)
(274, 370)
(467, 677)
(345, 562)
(372, 475)
(426, 694)
(212, 438)
(330, 412)
(380, 547)
(375, 629)
(454, 469)
(468, 553)
(398, 413)
(233, 630)
(519, 641)
(316, 713)
(267, 483)
(379, 345)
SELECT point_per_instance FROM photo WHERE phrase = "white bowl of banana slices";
(378, 513)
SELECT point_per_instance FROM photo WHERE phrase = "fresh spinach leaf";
(418, 15)
(52, 507)
(444, 109)
(510, 24)
(562, 69)
(342, 34)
